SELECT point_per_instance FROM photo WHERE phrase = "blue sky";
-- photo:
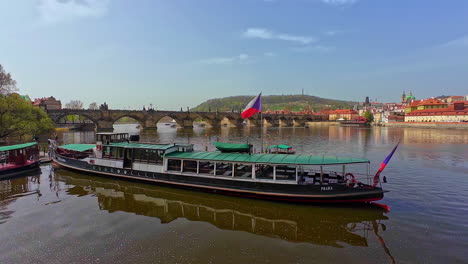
(174, 53)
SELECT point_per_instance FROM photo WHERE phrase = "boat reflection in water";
(331, 226)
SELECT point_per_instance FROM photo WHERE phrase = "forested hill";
(273, 102)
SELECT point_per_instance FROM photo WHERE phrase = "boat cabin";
(137, 156)
(109, 137)
(281, 149)
(15, 156)
(280, 168)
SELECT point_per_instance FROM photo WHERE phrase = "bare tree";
(74, 104)
(7, 84)
(93, 106)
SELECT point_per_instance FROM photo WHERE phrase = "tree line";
(19, 117)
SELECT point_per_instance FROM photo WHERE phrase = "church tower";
(403, 97)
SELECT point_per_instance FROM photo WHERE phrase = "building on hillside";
(456, 112)
(344, 114)
(455, 98)
(430, 103)
(48, 103)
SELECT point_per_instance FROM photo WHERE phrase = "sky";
(179, 53)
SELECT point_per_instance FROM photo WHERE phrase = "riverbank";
(439, 125)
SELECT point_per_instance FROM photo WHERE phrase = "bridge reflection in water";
(330, 226)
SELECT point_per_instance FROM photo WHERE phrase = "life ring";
(350, 179)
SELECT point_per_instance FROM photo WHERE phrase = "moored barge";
(281, 177)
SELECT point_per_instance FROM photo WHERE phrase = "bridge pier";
(148, 130)
(104, 126)
(187, 123)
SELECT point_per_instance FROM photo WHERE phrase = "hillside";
(273, 102)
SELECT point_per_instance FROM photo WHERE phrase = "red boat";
(17, 159)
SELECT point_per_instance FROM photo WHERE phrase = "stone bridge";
(148, 120)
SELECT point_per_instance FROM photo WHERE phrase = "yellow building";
(431, 103)
(457, 112)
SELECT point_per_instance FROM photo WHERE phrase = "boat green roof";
(231, 146)
(18, 146)
(78, 147)
(265, 158)
(280, 146)
(141, 146)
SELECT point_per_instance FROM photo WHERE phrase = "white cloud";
(460, 42)
(242, 58)
(339, 2)
(316, 48)
(52, 11)
(269, 54)
(263, 33)
(332, 33)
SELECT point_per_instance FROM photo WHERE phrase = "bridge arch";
(284, 122)
(298, 122)
(138, 119)
(169, 118)
(230, 121)
(61, 119)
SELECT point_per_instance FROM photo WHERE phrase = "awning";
(18, 146)
(78, 147)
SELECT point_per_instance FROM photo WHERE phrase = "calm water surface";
(66, 217)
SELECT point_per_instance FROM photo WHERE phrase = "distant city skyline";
(180, 53)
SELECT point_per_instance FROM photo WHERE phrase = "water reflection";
(329, 226)
(15, 188)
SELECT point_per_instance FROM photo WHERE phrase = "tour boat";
(280, 177)
(17, 159)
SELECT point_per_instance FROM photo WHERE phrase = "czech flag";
(383, 165)
(254, 106)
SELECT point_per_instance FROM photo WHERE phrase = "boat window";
(243, 171)
(159, 157)
(285, 173)
(264, 172)
(142, 155)
(107, 153)
(173, 165)
(206, 168)
(190, 166)
(224, 169)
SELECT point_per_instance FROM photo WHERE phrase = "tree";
(369, 116)
(74, 104)
(19, 117)
(7, 84)
(93, 106)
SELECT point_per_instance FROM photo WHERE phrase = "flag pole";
(261, 130)
(261, 124)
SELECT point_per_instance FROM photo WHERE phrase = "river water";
(59, 216)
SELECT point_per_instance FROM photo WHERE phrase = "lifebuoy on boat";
(350, 179)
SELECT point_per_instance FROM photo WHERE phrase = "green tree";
(19, 117)
(369, 116)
